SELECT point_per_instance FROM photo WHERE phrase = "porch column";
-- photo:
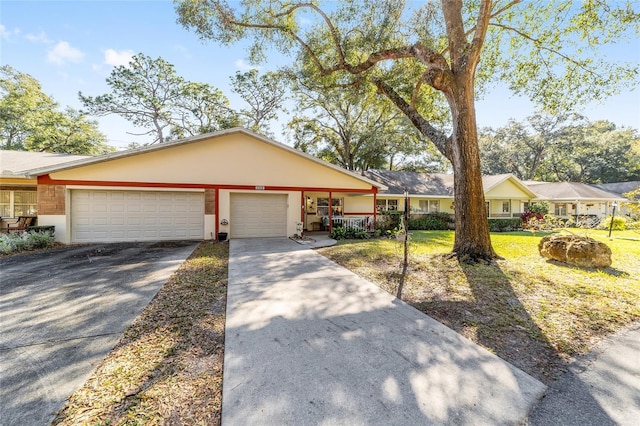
(375, 207)
(303, 210)
(330, 212)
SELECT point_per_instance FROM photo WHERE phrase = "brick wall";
(209, 201)
(51, 199)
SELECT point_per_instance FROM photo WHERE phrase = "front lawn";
(531, 312)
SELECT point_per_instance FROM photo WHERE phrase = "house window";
(18, 203)
(385, 205)
(561, 210)
(525, 206)
(323, 206)
(430, 206)
(506, 207)
(487, 206)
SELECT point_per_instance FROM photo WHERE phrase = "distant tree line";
(356, 130)
(565, 147)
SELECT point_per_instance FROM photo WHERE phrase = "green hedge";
(431, 221)
(505, 225)
(40, 229)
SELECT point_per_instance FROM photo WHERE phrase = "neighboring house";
(575, 199)
(18, 191)
(620, 188)
(505, 195)
(232, 181)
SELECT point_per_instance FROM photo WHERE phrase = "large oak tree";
(447, 51)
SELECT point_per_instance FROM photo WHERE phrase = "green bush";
(430, 222)
(388, 220)
(16, 242)
(43, 228)
(633, 225)
(340, 233)
(619, 223)
(505, 225)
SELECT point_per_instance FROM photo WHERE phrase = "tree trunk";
(472, 238)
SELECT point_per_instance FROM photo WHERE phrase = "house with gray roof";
(574, 198)
(505, 195)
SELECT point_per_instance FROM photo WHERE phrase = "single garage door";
(258, 215)
(111, 216)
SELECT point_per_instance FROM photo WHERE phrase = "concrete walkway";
(308, 342)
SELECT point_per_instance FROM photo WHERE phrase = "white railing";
(360, 223)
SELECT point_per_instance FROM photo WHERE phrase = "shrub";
(619, 223)
(504, 225)
(530, 219)
(340, 233)
(541, 208)
(430, 222)
(388, 220)
(43, 228)
(15, 242)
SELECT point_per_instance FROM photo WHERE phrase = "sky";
(72, 46)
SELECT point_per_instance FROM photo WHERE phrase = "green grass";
(527, 310)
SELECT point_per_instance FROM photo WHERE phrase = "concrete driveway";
(62, 311)
(308, 342)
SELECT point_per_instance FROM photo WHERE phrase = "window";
(561, 210)
(487, 206)
(525, 206)
(323, 206)
(506, 207)
(18, 203)
(430, 206)
(385, 205)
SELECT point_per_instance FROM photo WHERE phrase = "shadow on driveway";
(63, 310)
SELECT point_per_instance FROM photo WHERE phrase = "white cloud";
(63, 52)
(6, 33)
(42, 38)
(242, 65)
(117, 58)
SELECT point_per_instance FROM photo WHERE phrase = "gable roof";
(619, 187)
(15, 164)
(194, 139)
(434, 184)
(570, 191)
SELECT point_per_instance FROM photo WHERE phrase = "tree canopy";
(150, 94)
(30, 120)
(420, 56)
(562, 148)
(264, 94)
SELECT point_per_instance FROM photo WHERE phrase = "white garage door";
(258, 215)
(110, 216)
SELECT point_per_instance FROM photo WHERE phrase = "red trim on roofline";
(46, 180)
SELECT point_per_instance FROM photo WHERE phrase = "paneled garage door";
(111, 216)
(258, 215)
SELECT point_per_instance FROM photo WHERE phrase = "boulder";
(574, 250)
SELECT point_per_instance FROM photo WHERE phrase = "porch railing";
(360, 223)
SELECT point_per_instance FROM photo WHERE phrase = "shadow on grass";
(609, 271)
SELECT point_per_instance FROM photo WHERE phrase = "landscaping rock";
(579, 251)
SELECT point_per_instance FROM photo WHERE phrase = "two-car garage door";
(111, 216)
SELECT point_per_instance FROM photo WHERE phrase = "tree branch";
(436, 136)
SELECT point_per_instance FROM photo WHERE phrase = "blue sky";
(72, 46)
